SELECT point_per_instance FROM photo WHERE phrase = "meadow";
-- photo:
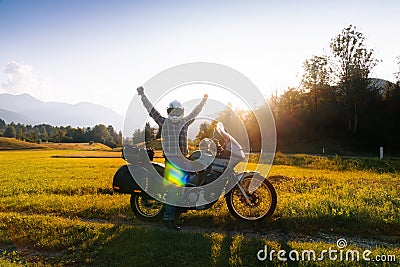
(57, 208)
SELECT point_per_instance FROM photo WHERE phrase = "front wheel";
(146, 208)
(260, 204)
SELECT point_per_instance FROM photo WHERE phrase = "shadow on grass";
(361, 224)
(137, 246)
(352, 226)
(131, 246)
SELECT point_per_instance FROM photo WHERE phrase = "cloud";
(20, 79)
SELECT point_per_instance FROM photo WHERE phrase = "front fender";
(256, 181)
(251, 174)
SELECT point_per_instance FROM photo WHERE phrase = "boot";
(170, 224)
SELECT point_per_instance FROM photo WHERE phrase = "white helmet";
(175, 111)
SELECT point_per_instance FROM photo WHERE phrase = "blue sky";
(100, 51)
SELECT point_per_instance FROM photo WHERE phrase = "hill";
(15, 144)
(381, 85)
(26, 109)
(77, 146)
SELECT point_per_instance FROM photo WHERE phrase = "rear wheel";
(261, 203)
(146, 208)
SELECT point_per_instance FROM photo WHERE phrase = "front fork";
(239, 185)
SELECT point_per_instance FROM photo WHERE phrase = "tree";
(205, 130)
(148, 133)
(390, 110)
(315, 78)
(10, 131)
(79, 136)
(20, 134)
(352, 69)
(232, 120)
(138, 136)
(292, 101)
(159, 131)
(43, 133)
(119, 138)
(32, 136)
(100, 133)
(58, 135)
(397, 74)
(2, 124)
(253, 129)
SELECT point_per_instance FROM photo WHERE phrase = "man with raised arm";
(174, 140)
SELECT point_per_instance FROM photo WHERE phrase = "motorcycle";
(244, 200)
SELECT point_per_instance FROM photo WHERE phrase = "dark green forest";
(47, 133)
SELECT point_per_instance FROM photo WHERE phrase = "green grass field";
(61, 211)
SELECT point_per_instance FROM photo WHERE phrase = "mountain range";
(26, 109)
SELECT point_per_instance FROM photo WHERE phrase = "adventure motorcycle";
(243, 199)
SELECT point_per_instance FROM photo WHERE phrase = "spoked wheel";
(146, 208)
(260, 204)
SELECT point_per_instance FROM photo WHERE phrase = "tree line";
(337, 108)
(338, 105)
(62, 134)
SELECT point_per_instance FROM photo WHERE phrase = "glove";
(205, 96)
(140, 90)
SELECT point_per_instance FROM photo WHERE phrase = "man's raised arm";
(150, 108)
(197, 109)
